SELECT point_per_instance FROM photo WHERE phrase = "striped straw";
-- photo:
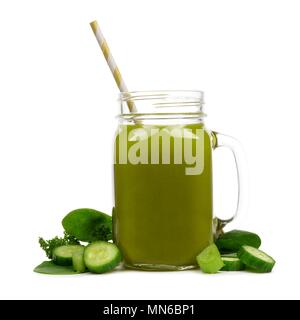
(111, 62)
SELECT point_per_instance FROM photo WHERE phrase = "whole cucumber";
(233, 240)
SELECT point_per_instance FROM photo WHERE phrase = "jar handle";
(219, 141)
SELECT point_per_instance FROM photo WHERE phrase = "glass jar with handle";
(163, 215)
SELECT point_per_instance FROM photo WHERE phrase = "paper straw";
(111, 62)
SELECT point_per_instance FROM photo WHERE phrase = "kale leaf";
(49, 245)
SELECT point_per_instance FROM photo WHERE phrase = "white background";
(57, 119)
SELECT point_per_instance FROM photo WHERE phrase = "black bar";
(131, 309)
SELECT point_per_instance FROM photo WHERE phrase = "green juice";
(162, 217)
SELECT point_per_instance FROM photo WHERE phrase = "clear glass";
(163, 215)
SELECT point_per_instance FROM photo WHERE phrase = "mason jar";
(163, 186)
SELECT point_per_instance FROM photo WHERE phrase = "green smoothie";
(163, 216)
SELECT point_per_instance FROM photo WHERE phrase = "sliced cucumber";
(101, 256)
(232, 264)
(256, 259)
(209, 260)
(63, 255)
(229, 255)
(78, 262)
(233, 240)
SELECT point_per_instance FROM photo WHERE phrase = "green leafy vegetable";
(49, 245)
(48, 267)
(88, 225)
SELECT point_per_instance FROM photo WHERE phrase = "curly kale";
(49, 245)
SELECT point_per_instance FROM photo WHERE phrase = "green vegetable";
(88, 225)
(256, 259)
(78, 262)
(229, 255)
(209, 260)
(48, 267)
(232, 264)
(63, 255)
(233, 240)
(100, 256)
(49, 245)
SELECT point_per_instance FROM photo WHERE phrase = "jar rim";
(162, 104)
(127, 96)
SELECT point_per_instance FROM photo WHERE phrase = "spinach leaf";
(48, 267)
(88, 225)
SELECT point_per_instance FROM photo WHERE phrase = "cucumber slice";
(209, 260)
(232, 264)
(78, 262)
(256, 259)
(101, 256)
(235, 239)
(62, 255)
(229, 255)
